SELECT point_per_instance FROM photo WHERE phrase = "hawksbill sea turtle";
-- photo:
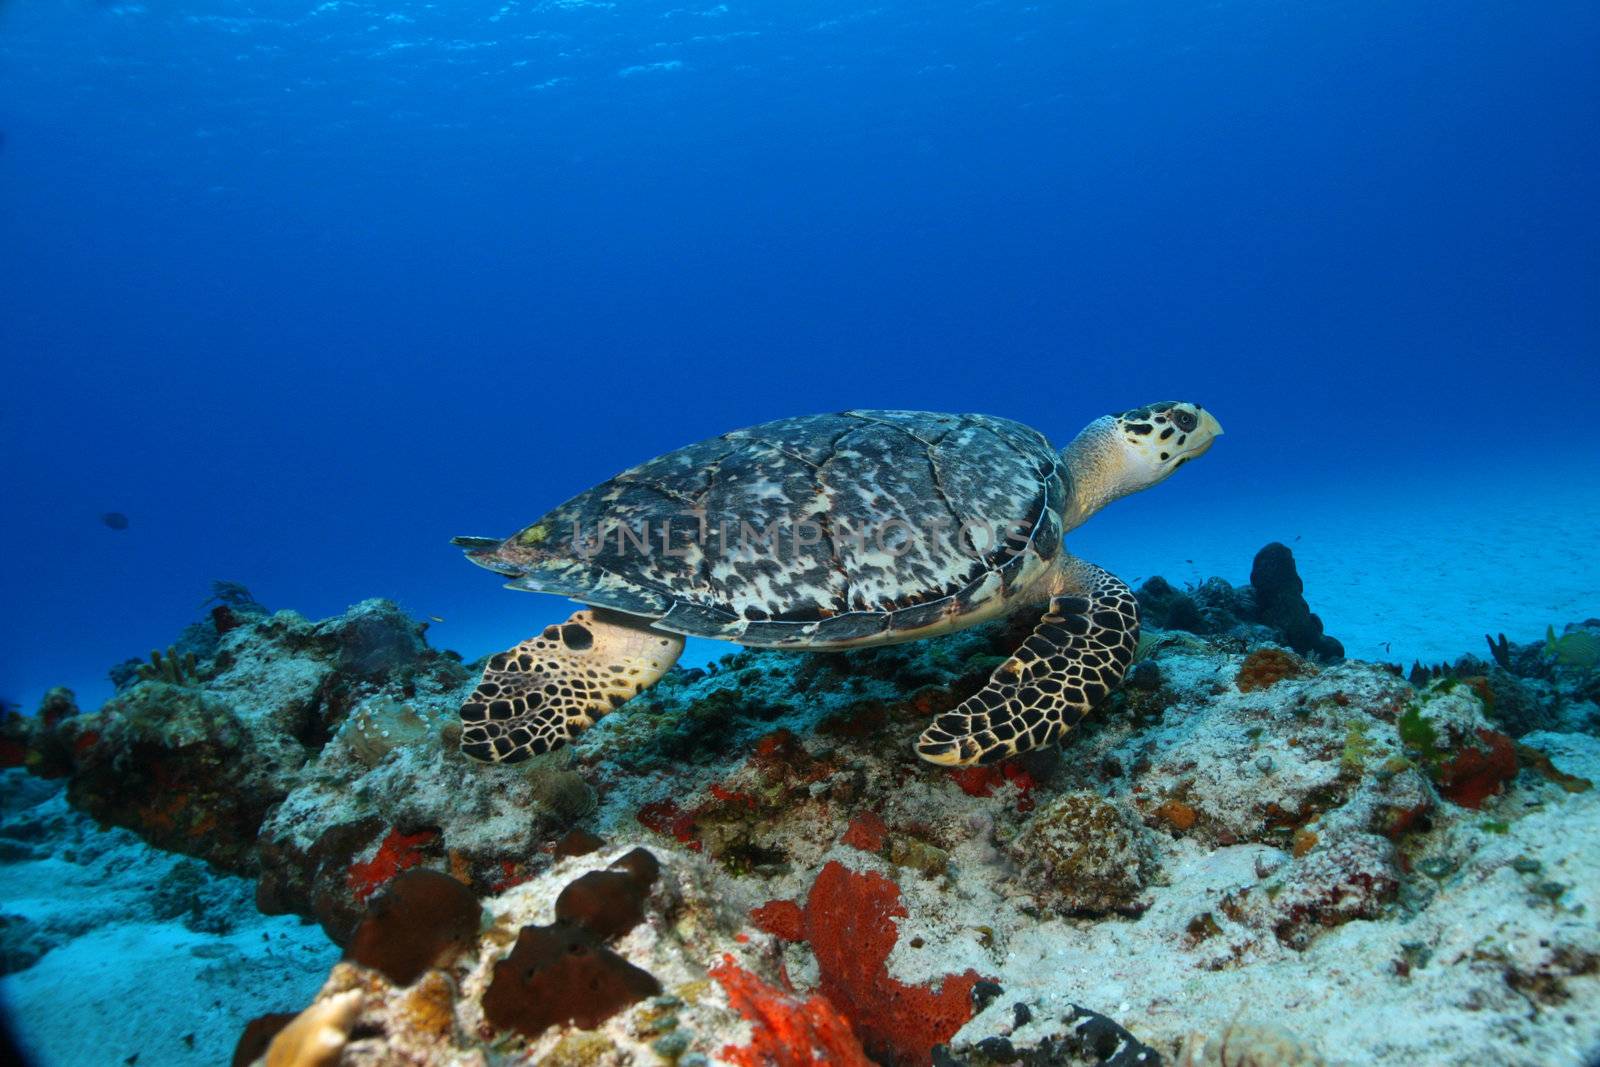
(827, 532)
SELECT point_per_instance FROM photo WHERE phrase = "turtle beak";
(1208, 431)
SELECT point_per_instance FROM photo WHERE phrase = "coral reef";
(785, 1029)
(1266, 667)
(1528, 687)
(381, 725)
(313, 755)
(1447, 731)
(37, 742)
(747, 865)
(229, 605)
(1352, 876)
(196, 753)
(847, 921)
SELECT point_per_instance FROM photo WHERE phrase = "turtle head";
(1120, 454)
(1158, 439)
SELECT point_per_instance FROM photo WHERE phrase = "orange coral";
(785, 1030)
(982, 781)
(781, 918)
(397, 853)
(849, 922)
(429, 1007)
(867, 832)
(1178, 814)
(733, 797)
(1266, 667)
(665, 817)
(1474, 775)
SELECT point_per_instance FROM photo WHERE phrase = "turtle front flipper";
(539, 695)
(1075, 656)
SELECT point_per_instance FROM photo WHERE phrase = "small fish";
(435, 618)
(1580, 648)
(115, 520)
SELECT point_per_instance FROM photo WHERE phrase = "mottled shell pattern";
(820, 531)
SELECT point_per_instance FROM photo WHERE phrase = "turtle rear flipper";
(1075, 656)
(541, 694)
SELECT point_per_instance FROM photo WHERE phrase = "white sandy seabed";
(124, 986)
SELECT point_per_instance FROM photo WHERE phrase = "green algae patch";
(1419, 736)
(1358, 745)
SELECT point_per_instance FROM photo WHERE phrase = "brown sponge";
(564, 972)
(610, 903)
(577, 843)
(561, 973)
(420, 919)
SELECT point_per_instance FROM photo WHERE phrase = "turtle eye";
(1184, 420)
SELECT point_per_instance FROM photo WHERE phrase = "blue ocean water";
(303, 289)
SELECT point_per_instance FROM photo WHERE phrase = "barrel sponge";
(1281, 604)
